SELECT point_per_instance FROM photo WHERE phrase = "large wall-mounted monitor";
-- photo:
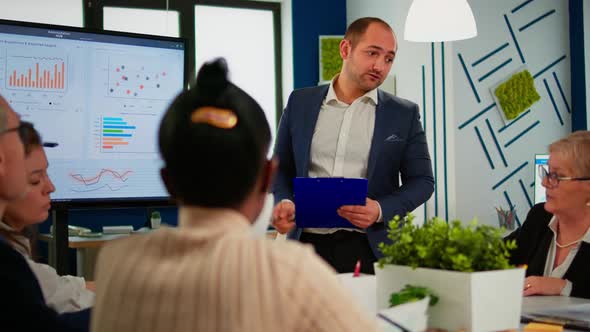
(100, 95)
(540, 161)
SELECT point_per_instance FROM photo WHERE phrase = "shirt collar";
(331, 96)
(553, 227)
(22, 244)
(212, 219)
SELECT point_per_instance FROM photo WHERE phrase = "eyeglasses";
(553, 179)
(22, 130)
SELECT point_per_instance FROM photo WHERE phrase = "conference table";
(87, 249)
(532, 304)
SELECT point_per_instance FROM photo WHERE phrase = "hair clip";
(216, 117)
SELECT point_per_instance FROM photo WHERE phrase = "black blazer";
(22, 302)
(533, 239)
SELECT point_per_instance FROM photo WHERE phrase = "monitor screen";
(540, 161)
(100, 96)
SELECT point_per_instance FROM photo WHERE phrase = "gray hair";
(576, 148)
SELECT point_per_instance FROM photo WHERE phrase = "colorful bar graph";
(35, 77)
(116, 134)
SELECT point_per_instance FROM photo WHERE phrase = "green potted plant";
(466, 266)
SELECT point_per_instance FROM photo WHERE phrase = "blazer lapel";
(383, 120)
(580, 262)
(537, 263)
(310, 118)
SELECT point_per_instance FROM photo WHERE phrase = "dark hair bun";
(212, 78)
(210, 165)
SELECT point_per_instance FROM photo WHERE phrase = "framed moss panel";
(515, 94)
(329, 58)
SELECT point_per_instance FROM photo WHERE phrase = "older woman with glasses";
(554, 241)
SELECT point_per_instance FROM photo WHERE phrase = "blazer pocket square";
(394, 138)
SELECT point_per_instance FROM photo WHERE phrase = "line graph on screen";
(105, 178)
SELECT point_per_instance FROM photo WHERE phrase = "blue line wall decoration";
(489, 148)
(485, 154)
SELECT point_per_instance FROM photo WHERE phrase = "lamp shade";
(439, 20)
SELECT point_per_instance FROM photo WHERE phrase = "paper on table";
(363, 289)
(412, 316)
(579, 312)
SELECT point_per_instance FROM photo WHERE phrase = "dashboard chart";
(100, 96)
(37, 73)
(106, 178)
(145, 78)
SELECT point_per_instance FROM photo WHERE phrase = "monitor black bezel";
(118, 201)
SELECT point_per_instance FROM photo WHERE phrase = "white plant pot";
(478, 301)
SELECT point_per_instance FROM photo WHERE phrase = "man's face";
(13, 176)
(367, 63)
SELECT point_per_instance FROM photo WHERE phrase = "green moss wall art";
(516, 94)
(330, 60)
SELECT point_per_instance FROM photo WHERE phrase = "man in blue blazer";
(350, 128)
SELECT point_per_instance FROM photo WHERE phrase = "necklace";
(568, 244)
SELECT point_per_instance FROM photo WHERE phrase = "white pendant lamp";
(439, 20)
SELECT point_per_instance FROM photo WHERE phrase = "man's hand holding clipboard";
(283, 216)
(327, 203)
(362, 216)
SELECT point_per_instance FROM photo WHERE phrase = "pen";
(385, 318)
(357, 269)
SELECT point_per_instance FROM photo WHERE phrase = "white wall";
(469, 176)
(541, 44)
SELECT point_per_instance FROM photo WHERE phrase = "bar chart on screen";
(131, 134)
(36, 73)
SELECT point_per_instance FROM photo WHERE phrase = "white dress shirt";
(559, 271)
(341, 141)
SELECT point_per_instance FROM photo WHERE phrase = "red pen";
(357, 269)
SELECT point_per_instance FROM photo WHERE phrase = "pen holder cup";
(506, 218)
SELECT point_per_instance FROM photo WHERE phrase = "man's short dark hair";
(356, 29)
(207, 164)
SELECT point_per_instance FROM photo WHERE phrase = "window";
(146, 21)
(62, 12)
(245, 37)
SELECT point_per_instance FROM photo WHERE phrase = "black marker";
(50, 144)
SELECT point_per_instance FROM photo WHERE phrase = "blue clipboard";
(317, 199)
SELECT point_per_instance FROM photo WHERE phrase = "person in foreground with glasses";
(554, 240)
(22, 302)
(62, 293)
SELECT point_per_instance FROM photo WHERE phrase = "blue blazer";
(23, 304)
(398, 148)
